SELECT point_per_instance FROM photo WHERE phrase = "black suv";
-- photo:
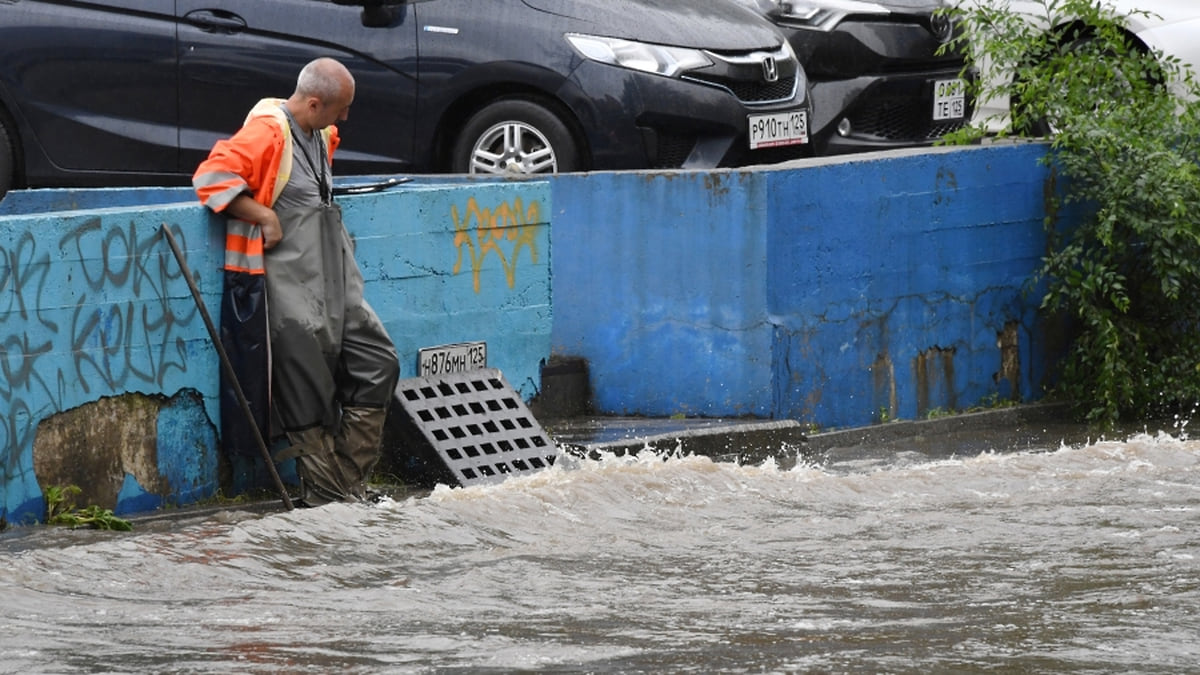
(877, 78)
(124, 92)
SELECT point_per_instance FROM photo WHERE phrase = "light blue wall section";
(458, 263)
(24, 202)
(833, 292)
(93, 305)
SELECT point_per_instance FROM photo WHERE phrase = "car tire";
(515, 135)
(8, 158)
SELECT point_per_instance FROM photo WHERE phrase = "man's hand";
(272, 231)
(243, 207)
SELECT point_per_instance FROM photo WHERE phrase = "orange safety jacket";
(257, 160)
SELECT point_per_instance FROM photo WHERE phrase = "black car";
(124, 92)
(877, 78)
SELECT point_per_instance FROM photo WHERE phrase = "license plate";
(455, 358)
(775, 129)
(949, 100)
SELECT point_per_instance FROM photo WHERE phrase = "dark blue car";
(127, 92)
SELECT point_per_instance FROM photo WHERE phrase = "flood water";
(1079, 558)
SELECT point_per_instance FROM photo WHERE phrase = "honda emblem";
(770, 69)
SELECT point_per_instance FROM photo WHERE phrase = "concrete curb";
(739, 442)
(1011, 428)
(998, 420)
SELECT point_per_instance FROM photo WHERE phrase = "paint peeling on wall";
(883, 375)
(1009, 343)
(103, 445)
(933, 370)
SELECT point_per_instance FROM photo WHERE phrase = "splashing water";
(1075, 559)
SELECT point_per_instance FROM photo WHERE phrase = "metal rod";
(227, 366)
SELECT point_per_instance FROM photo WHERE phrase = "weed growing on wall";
(61, 510)
(1124, 129)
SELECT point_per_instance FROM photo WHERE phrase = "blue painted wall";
(25, 202)
(892, 282)
(89, 310)
(93, 305)
(835, 292)
(448, 263)
(660, 282)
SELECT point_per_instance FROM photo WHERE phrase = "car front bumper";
(637, 120)
(877, 112)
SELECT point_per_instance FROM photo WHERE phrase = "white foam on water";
(1086, 556)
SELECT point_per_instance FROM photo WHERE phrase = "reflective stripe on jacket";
(256, 160)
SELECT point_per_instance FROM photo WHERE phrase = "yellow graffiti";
(492, 227)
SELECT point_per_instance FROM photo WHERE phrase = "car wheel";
(8, 158)
(515, 135)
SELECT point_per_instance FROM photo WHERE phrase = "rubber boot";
(321, 478)
(358, 445)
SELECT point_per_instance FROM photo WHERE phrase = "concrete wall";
(109, 376)
(838, 292)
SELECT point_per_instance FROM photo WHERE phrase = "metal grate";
(476, 424)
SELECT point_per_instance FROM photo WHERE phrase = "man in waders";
(327, 372)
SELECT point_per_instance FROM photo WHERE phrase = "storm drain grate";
(475, 423)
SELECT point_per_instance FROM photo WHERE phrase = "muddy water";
(1067, 559)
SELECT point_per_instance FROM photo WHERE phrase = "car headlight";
(643, 56)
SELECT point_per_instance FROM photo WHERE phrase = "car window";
(95, 83)
(232, 53)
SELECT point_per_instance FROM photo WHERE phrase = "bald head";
(324, 91)
(323, 78)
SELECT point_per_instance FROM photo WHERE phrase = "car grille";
(673, 150)
(762, 92)
(900, 118)
(742, 75)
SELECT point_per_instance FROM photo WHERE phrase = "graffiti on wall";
(481, 231)
(84, 318)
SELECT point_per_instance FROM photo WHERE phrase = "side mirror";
(377, 13)
(380, 16)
